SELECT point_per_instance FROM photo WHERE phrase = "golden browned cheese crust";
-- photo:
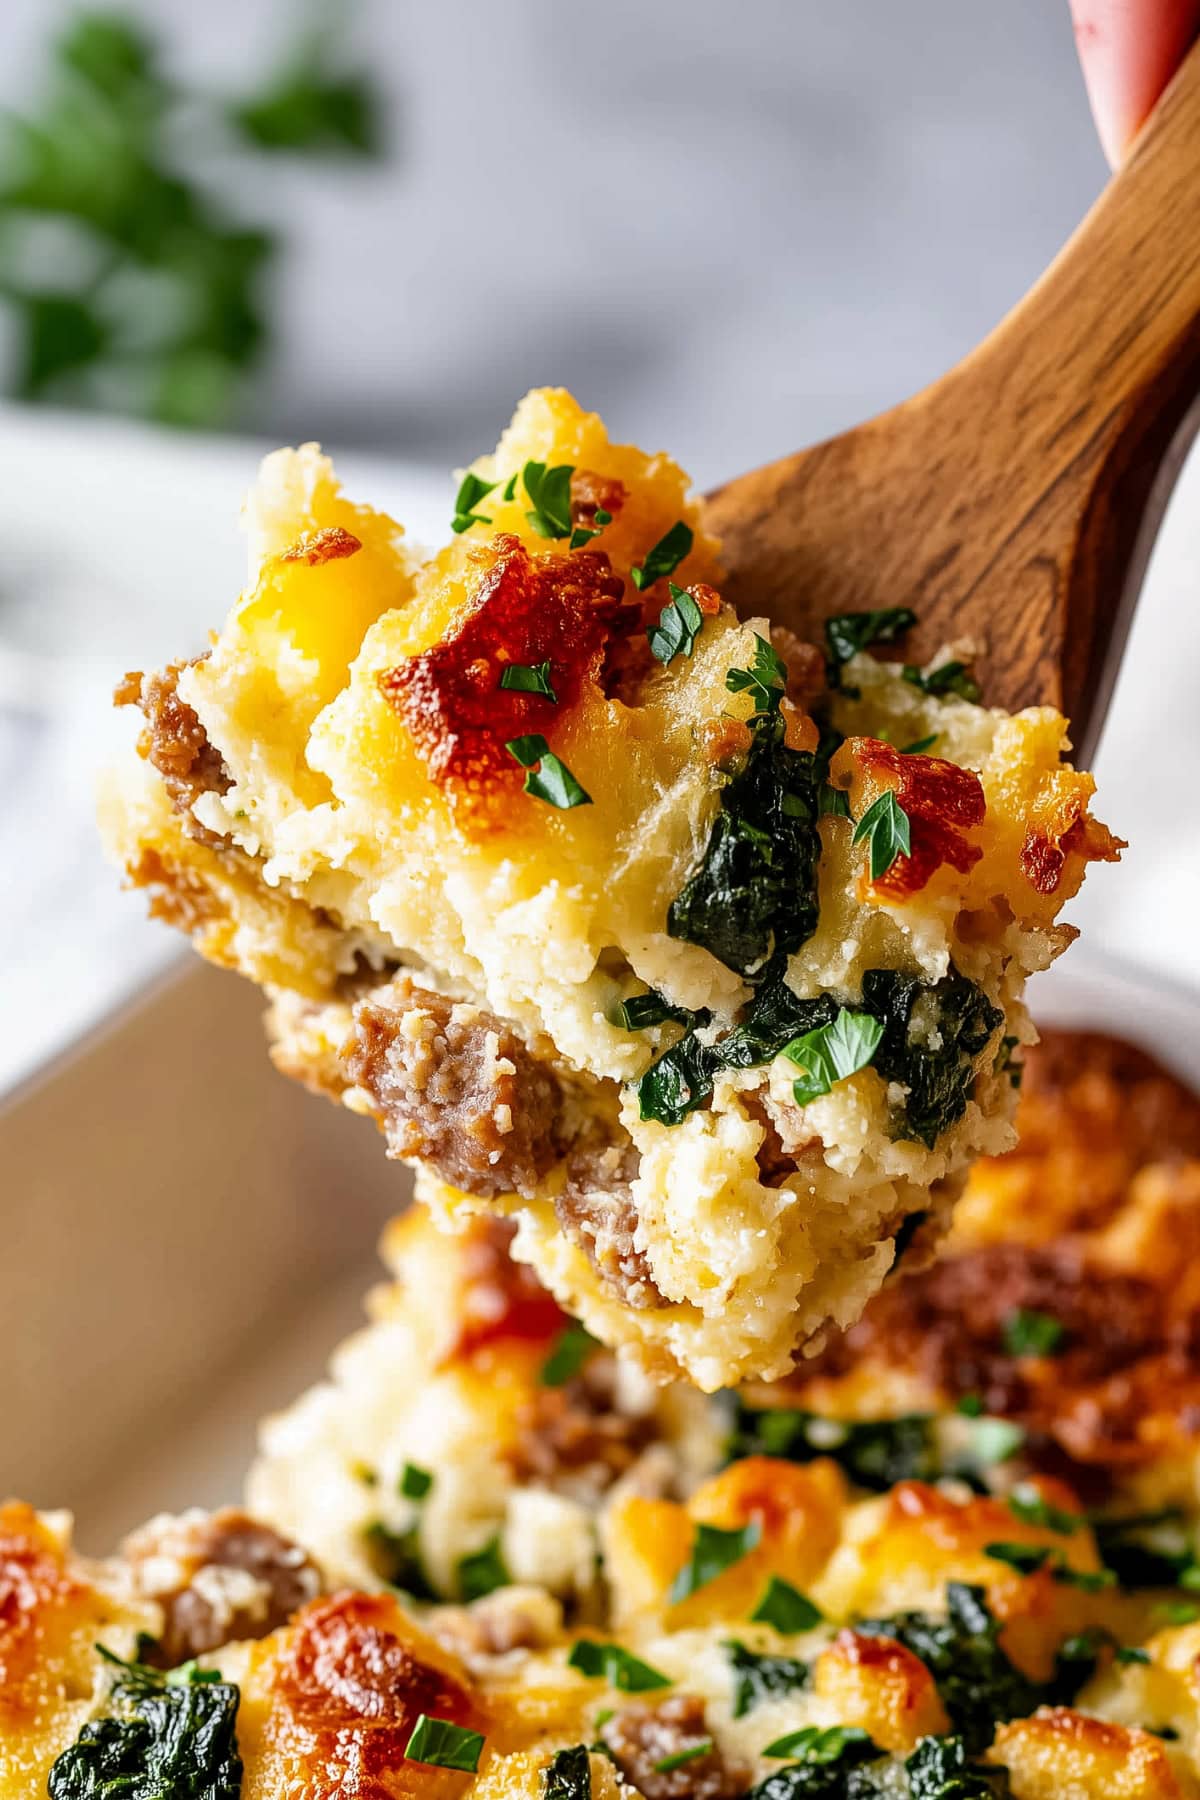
(603, 819)
(769, 1575)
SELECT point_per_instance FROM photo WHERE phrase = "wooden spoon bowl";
(1016, 500)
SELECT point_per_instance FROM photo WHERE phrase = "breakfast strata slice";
(487, 1559)
(695, 949)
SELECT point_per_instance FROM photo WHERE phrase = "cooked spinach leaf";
(831, 1767)
(875, 1453)
(1150, 1549)
(940, 1769)
(641, 1011)
(754, 893)
(568, 1775)
(682, 1078)
(848, 633)
(932, 1034)
(396, 1558)
(950, 678)
(161, 1735)
(979, 1686)
(757, 1677)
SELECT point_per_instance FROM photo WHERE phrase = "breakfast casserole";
(953, 1558)
(695, 950)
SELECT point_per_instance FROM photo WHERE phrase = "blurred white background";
(731, 229)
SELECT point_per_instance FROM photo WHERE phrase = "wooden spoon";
(1016, 500)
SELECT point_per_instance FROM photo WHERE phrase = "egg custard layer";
(695, 950)
(954, 1559)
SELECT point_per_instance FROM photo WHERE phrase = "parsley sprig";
(441, 1744)
(833, 1052)
(765, 680)
(528, 678)
(547, 776)
(848, 633)
(949, 678)
(664, 558)
(713, 1551)
(549, 493)
(885, 823)
(679, 625)
(472, 489)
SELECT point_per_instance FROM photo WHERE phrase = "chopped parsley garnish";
(765, 680)
(1026, 1559)
(609, 1662)
(549, 492)
(568, 1775)
(885, 824)
(1089, 1581)
(1005, 1063)
(526, 678)
(1026, 1504)
(970, 1406)
(848, 633)
(664, 558)
(641, 1011)
(679, 625)
(415, 1482)
(786, 1608)
(952, 1014)
(582, 534)
(920, 746)
(1150, 1549)
(757, 1678)
(817, 1744)
(442, 1745)
(940, 1769)
(875, 1453)
(1028, 1332)
(482, 1571)
(690, 1753)
(471, 491)
(510, 487)
(547, 776)
(159, 1734)
(833, 1052)
(568, 1353)
(950, 678)
(713, 1551)
(1130, 1653)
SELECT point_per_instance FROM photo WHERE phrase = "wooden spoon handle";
(1093, 376)
(1015, 499)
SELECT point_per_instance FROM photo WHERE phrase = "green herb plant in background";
(131, 282)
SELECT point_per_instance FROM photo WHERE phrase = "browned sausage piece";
(455, 1086)
(218, 1577)
(644, 1736)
